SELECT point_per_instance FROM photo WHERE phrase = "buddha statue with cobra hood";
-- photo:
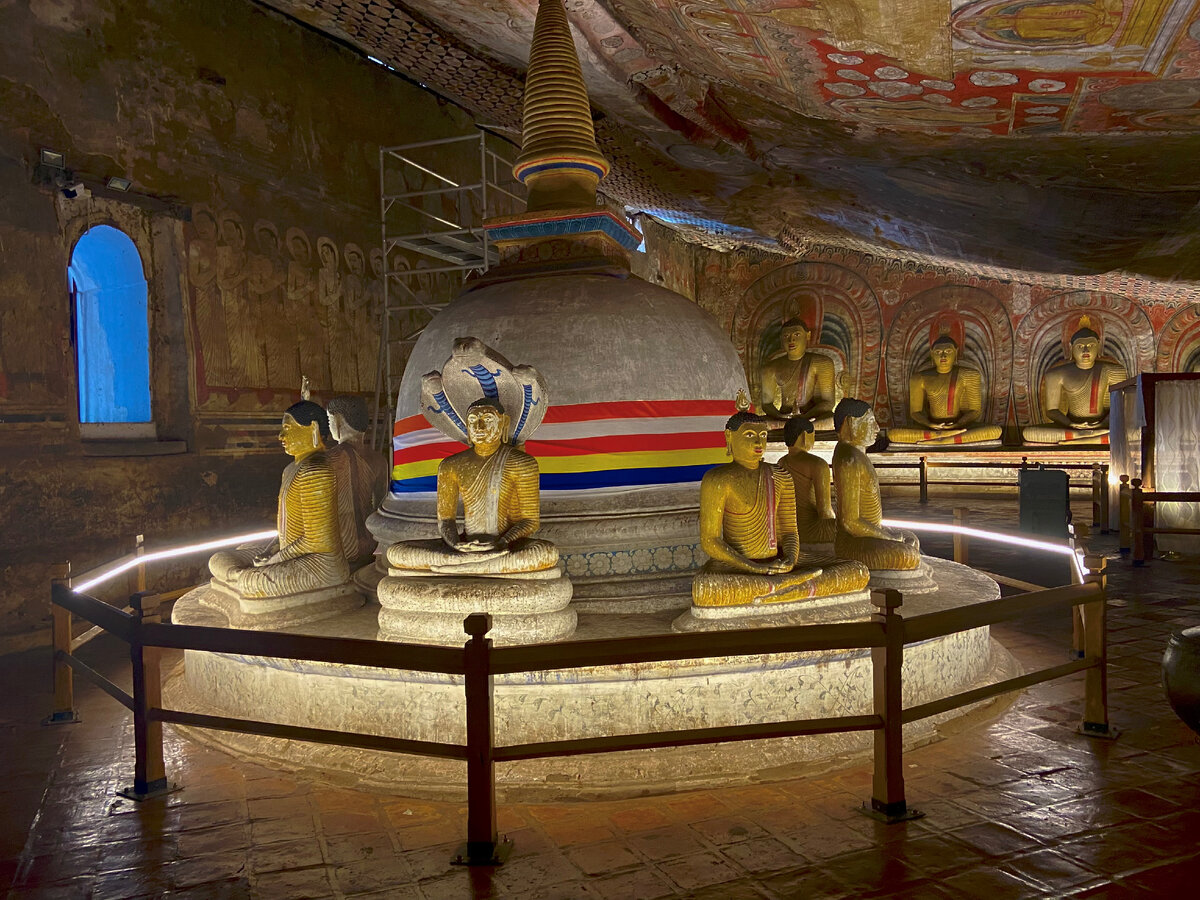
(494, 564)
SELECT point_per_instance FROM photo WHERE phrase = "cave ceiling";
(1057, 136)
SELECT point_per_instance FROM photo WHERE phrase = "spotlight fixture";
(53, 159)
(119, 183)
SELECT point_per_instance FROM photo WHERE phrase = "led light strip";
(998, 537)
(171, 553)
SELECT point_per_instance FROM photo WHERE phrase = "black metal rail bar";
(687, 737)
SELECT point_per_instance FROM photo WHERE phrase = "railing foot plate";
(1098, 730)
(63, 717)
(900, 812)
(153, 790)
(482, 855)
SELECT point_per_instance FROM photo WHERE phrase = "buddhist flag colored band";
(587, 446)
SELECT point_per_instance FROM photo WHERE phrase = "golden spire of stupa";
(559, 161)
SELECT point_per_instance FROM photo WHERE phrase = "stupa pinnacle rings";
(559, 161)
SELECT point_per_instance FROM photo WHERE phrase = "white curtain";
(1177, 460)
(1126, 418)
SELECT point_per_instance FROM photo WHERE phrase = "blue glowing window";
(112, 333)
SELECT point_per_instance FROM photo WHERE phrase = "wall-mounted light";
(118, 183)
(53, 159)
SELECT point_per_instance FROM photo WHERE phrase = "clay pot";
(1181, 675)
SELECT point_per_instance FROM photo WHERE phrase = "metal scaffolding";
(434, 198)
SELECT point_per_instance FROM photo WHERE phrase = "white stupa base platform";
(920, 580)
(269, 613)
(583, 702)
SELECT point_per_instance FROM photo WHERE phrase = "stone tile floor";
(1018, 806)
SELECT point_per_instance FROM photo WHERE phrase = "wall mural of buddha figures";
(268, 304)
(948, 367)
(834, 314)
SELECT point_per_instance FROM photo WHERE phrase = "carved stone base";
(907, 581)
(447, 628)
(269, 613)
(816, 611)
(424, 608)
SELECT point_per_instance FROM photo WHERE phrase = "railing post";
(1095, 634)
(139, 550)
(1078, 542)
(924, 470)
(1137, 522)
(149, 772)
(483, 846)
(1123, 501)
(64, 680)
(1098, 490)
(962, 543)
(887, 790)
(1104, 526)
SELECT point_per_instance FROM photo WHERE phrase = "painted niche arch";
(987, 345)
(112, 328)
(1128, 339)
(1179, 346)
(847, 315)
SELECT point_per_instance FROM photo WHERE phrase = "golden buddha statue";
(945, 402)
(1075, 396)
(815, 522)
(748, 530)
(362, 476)
(494, 564)
(498, 487)
(860, 532)
(801, 382)
(307, 555)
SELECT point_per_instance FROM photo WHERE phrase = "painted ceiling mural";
(951, 129)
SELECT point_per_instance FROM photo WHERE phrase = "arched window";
(112, 332)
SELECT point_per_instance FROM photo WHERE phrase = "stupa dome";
(595, 339)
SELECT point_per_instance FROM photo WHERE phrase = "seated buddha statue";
(362, 476)
(860, 532)
(748, 530)
(493, 564)
(498, 487)
(1076, 398)
(945, 402)
(305, 564)
(801, 382)
(811, 480)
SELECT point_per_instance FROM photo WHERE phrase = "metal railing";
(477, 662)
(1099, 475)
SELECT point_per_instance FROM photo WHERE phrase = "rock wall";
(253, 148)
(875, 315)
